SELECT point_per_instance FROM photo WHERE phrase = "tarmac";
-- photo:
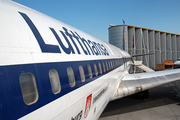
(163, 104)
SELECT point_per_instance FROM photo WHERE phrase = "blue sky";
(94, 16)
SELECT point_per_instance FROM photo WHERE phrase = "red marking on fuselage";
(88, 105)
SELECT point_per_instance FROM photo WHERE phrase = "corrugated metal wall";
(164, 45)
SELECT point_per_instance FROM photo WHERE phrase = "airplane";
(52, 71)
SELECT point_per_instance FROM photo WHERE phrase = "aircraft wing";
(133, 83)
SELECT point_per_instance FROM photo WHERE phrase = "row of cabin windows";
(29, 87)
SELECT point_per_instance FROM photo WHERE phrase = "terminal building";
(138, 40)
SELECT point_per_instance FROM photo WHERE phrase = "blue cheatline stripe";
(12, 105)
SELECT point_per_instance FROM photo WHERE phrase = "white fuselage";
(33, 44)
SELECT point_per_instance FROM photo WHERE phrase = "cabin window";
(104, 67)
(112, 65)
(29, 88)
(81, 71)
(71, 77)
(55, 82)
(90, 71)
(107, 66)
(100, 68)
(95, 69)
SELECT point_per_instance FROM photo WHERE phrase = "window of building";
(81, 71)
(95, 69)
(29, 88)
(90, 71)
(55, 82)
(71, 77)
(100, 68)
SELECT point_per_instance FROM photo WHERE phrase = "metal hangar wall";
(138, 40)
